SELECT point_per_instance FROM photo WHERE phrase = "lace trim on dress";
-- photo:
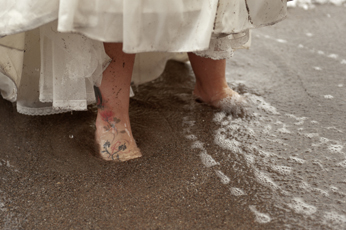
(222, 46)
(38, 111)
(59, 107)
(70, 105)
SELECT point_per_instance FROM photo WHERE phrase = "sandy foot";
(227, 100)
(114, 138)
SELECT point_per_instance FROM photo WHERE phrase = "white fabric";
(22, 15)
(11, 64)
(234, 15)
(8, 88)
(57, 72)
(60, 69)
(142, 26)
(73, 64)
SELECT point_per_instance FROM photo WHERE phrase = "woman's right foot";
(113, 131)
(114, 137)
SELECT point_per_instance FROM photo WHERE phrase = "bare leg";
(113, 130)
(211, 86)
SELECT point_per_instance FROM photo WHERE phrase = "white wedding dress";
(52, 55)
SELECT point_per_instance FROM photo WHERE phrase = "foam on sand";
(299, 206)
(237, 191)
(207, 160)
(335, 220)
(224, 179)
(261, 218)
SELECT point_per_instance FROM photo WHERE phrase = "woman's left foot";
(226, 99)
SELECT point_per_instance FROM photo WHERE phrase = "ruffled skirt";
(52, 52)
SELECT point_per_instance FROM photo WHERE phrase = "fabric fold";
(63, 41)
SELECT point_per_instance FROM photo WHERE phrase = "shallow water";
(296, 161)
(287, 163)
(282, 168)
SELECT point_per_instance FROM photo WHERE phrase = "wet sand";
(201, 168)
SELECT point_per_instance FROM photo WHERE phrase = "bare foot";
(225, 99)
(113, 131)
(215, 97)
(211, 86)
(114, 137)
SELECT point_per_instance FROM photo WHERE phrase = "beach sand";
(282, 167)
